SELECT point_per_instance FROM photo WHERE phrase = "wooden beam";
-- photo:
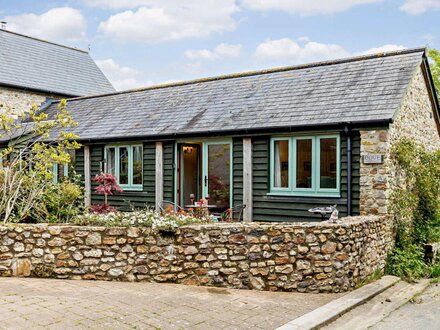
(87, 177)
(247, 179)
(159, 174)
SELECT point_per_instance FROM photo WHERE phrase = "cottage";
(280, 141)
(34, 70)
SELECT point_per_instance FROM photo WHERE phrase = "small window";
(63, 171)
(328, 163)
(281, 165)
(305, 166)
(125, 162)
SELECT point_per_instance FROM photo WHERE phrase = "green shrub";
(60, 202)
(416, 209)
(407, 263)
(435, 270)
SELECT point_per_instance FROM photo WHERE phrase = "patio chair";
(164, 205)
(233, 214)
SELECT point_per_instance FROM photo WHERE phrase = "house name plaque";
(373, 159)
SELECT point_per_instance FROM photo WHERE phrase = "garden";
(35, 189)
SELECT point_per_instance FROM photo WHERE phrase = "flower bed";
(304, 257)
(167, 221)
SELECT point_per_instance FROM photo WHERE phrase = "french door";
(217, 173)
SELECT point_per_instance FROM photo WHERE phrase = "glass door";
(189, 183)
(217, 162)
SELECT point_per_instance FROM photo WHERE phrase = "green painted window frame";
(55, 172)
(315, 190)
(205, 169)
(66, 168)
(130, 186)
(204, 145)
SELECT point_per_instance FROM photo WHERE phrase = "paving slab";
(367, 315)
(422, 312)
(27, 303)
(334, 309)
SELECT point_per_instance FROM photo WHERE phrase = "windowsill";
(128, 189)
(304, 194)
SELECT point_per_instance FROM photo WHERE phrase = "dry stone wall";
(304, 257)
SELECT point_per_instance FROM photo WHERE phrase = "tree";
(434, 56)
(33, 142)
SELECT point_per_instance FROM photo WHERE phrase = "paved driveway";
(58, 304)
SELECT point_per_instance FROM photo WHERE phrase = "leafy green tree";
(434, 56)
(32, 143)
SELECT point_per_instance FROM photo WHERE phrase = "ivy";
(415, 205)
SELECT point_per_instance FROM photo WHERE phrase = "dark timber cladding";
(281, 208)
(127, 199)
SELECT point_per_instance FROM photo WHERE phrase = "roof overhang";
(431, 90)
(43, 91)
(371, 124)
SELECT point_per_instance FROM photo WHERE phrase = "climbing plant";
(415, 207)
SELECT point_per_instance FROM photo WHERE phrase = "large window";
(305, 165)
(125, 162)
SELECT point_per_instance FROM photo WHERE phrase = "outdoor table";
(209, 206)
(323, 211)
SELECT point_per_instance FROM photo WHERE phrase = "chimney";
(3, 25)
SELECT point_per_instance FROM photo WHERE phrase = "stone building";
(33, 70)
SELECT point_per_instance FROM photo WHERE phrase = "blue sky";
(143, 42)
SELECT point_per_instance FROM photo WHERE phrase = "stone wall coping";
(343, 222)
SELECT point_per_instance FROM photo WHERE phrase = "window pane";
(71, 166)
(60, 171)
(281, 166)
(111, 161)
(137, 164)
(219, 175)
(304, 163)
(328, 164)
(123, 165)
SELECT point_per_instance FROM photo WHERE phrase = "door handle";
(206, 180)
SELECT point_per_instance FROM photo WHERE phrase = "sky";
(146, 42)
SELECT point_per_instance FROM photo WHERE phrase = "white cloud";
(116, 4)
(303, 50)
(122, 77)
(416, 7)
(383, 49)
(171, 20)
(293, 52)
(221, 51)
(58, 24)
(306, 7)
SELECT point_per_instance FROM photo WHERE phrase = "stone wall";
(305, 257)
(414, 120)
(19, 100)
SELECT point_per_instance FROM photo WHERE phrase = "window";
(305, 165)
(125, 162)
(62, 171)
(281, 163)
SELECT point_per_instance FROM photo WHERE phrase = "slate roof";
(356, 90)
(35, 64)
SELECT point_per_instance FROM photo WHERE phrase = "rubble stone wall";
(20, 100)
(414, 120)
(304, 257)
